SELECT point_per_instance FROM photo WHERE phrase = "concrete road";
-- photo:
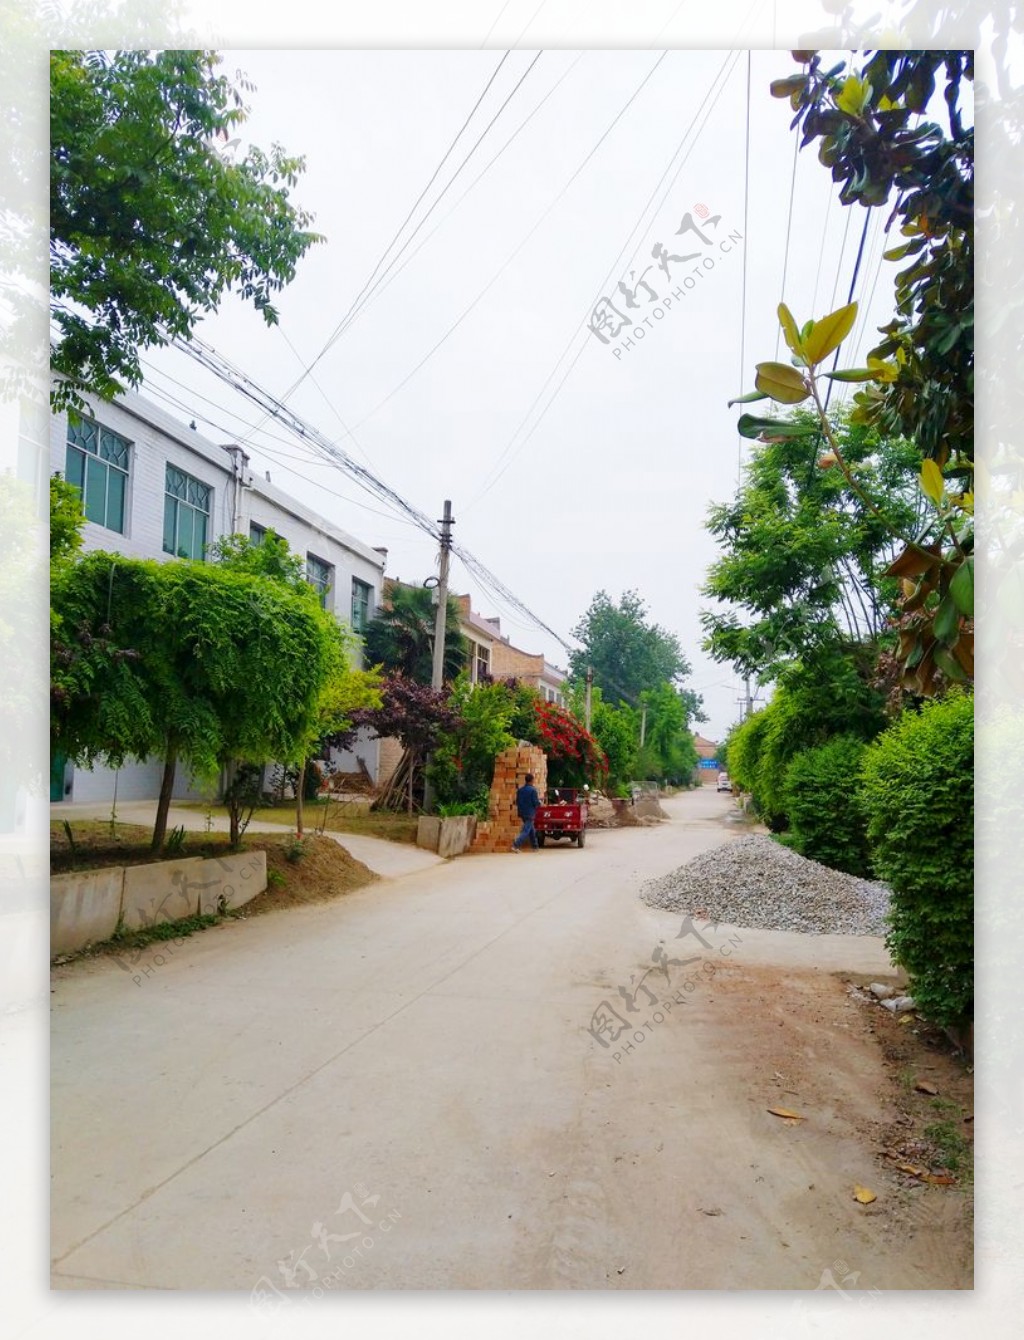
(402, 1090)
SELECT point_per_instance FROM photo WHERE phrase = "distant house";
(152, 488)
(530, 667)
(709, 764)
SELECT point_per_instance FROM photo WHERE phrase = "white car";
(723, 782)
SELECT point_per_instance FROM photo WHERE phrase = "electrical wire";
(502, 464)
(515, 252)
(222, 367)
(746, 247)
(364, 300)
(789, 226)
(390, 274)
(529, 24)
(853, 285)
(433, 177)
(495, 23)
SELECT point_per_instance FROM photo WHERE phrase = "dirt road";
(422, 1085)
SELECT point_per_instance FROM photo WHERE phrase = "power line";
(501, 464)
(433, 177)
(222, 367)
(390, 274)
(789, 225)
(743, 297)
(495, 23)
(853, 284)
(512, 256)
(363, 301)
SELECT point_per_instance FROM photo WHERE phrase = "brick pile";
(510, 769)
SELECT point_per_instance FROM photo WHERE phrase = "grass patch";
(164, 930)
(951, 1149)
(92, 844)
(338, 817)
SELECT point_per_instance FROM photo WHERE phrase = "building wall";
(531, 669)
(156, 440)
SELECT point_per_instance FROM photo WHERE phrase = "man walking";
(527, 805)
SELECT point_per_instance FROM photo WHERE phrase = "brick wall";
(510, 769)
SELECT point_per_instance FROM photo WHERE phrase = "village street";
(415, 1087)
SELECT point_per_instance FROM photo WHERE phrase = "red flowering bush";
(574, 756)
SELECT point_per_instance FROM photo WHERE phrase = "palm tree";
(401, 636)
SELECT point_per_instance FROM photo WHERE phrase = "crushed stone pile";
(756, 882)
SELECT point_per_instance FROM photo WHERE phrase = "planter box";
(428, 832)
(457, 834)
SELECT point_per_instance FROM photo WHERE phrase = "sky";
(451, 381)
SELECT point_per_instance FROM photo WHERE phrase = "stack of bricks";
(510, 769)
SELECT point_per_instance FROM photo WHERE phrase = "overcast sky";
(606, 482)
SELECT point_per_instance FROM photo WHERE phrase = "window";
(97, 465)
(186, 514)
(360, 604)
(257, 534)
(319, 575)
(482, 663)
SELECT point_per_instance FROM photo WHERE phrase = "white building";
(155, 489)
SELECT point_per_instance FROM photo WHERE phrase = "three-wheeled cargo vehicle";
(564, 816)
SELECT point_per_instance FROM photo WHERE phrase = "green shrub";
(918, 794)
(822, 799)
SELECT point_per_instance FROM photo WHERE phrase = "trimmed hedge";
(822, 799)
(918, 794)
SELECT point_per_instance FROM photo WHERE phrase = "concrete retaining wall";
(88, 906)
(457, 834)
(448, 837)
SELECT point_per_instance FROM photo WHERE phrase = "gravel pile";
(756, 882)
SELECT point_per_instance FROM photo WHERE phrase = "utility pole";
(587, 701)
(643, 724)
(440, 626)
(446, 523)
(749, 702)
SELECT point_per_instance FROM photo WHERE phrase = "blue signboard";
(709, 763)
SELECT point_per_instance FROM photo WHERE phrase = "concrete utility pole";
(643, 724)
(749, 702)
(590, 687)
(446, 522)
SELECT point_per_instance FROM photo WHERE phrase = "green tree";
(272, 558)
(811, 705)
(803, 554)
(188, 661)
(462, 762)
(152, 215)
(401, 636)
(345, 690)
(66, 520)
(919, 381)
(919, 798)
(627, 652)
(669, 752)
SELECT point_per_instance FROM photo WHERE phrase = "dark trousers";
(528, 831)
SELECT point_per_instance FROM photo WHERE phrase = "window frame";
(365, 588)
(95, 461)
(173, 505)
(326, 587)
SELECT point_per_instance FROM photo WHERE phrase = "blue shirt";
(527, 802)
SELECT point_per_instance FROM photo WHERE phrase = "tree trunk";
(164, 803)
(300, 787)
